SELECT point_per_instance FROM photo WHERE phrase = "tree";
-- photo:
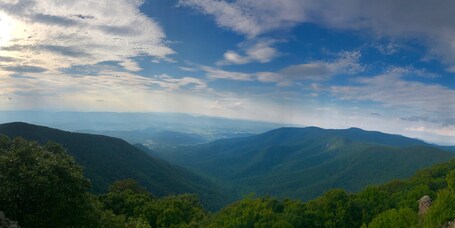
(334, 209)
(41, 186)
(442, 210)
(249, 212)
(174, 211)
(401, 218)
(451, 180)
(126, 197)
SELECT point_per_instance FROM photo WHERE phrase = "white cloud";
(232, 57)
(215, 73)
(445, 131)
(410, 97)
(346, 63)
(261, 52)
(188, 69)
(250, 17)
(387, 49)
(107, 85)
(176, 83)
(412, 72)
(229, 105)
(130, 65)
(58, 34)
(428, 21)
(313, 71)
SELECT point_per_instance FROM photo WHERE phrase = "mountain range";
(107, 159)
(305, 162)
(286, 162)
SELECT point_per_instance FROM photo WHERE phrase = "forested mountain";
(305, 162)
(50, 190)
(395, 204)
(287, 162)
(106, 159)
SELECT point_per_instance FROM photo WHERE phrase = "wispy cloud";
(261, 51)
(399, 19)
(215, 73)
(53, 35)
(130, 65)
(346, 63)
(444, 131)
(249, 17)
(391, 90)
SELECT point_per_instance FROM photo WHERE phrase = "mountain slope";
(305, 162)
(153, 138)
(106, 159)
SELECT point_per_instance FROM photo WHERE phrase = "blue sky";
(377, 65)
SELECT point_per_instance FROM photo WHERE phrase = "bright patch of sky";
(377, 65)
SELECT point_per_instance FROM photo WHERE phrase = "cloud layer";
(261, 51)
(52, 35)
(345, 63)
(402, 19)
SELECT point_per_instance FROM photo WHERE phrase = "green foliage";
(393, 218)
(254, 212)
(334, 209)
(176, 210)
(372, 201)
(140, 222)
(394, 204)
(106, 159)
(442, 210)
(42, 185)
(107, 219)
(303, 163)
(127, 185)
(127, 198)
(451, 180)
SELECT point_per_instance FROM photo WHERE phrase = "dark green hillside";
(394, 204)
(305, 162)
(42, 186)
(36, 178)
(106, 159)
(448, 148)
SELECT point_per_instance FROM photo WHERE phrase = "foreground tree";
(443, 208)
(127, 198)
(253, 212)
(41, 186)
(403, 217)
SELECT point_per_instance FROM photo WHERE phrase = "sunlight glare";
(6, 29)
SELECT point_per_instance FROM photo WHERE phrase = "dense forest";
(42, 186)
(303, 163)
(297, 163)
(107, 159)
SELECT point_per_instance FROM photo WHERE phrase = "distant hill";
(153, 138)
(106, 159)
(448, 148)
(305, 162)
(133, 126)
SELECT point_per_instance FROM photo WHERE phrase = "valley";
(291, 177)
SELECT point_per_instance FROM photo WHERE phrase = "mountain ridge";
(106, 159)
(290, 161)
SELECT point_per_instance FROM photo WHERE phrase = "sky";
(378, 65)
